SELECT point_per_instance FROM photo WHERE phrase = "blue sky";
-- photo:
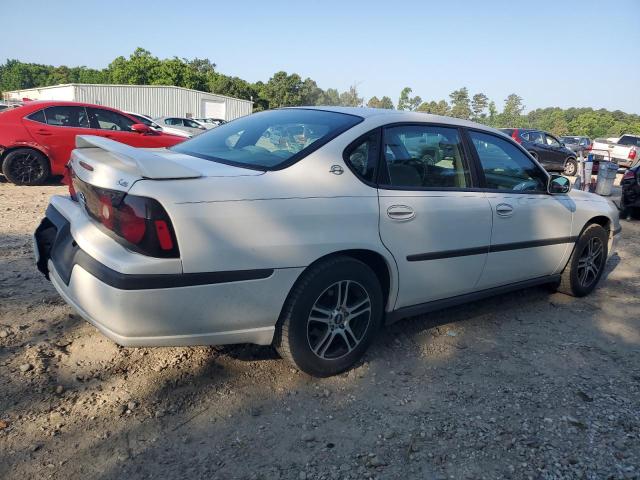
(552, 53)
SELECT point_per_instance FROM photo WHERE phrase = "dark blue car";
(550, 152)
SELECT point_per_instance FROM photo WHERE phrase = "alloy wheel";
(590, 262)
(26, 168)
(570, 168)
(339, 320)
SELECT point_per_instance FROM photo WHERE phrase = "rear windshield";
(268, 140)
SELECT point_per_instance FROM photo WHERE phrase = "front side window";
(108, 120)
(423, 156)
(67, 116)
(505, 166)
(552, 141)
(363, 156)
(268, 140)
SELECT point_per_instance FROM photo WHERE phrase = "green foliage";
(460, 103)
(283, 89)
(406, 102)
(436, 108)
(479, 105)
(384, 102)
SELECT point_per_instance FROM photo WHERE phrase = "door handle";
(400, 212)
(504, 210)
(44, 132)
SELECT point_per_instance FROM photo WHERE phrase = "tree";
(139, 69)
(512, 112)
(436, 108)
(350, 98)
(283, 90)
(384, 102)
(460, 103)
(330, 97)
(492, 119)
(479, 104)
(406, 102)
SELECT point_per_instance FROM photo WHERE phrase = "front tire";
(586, 265)
(330, 317)
(26, 166)
(571, 167)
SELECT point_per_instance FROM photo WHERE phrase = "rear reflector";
(164, 236)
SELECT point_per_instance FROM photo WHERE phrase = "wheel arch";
(383, 267)
(602, 220)
(13, 148)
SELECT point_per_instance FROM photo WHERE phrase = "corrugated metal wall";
(149, 100)
(159, 101)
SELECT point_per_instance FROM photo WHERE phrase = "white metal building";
(152, 100)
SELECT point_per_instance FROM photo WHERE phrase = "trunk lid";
(113, 165)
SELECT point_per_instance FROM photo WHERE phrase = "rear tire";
(330, 317)
(26, 166)
(571, 167)
(586, 264)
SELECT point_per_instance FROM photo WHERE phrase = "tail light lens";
(632, 154)
(629, 175)
(66, 180)
(139, 223)
(516, 136)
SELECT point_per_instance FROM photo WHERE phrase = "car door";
(114, 125)
(56, 128)
(557, 152)
(531, 229)
(434, 223)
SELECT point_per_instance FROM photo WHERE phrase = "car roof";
(399, 116)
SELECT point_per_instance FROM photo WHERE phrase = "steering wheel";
(528, 185)
(114, 127)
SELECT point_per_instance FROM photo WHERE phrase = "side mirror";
(558, 185)
(141, 128)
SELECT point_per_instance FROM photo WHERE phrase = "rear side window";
(37, 117)
(505, 166)
(67, 116)
(628, 140)
(191, 123)
(173, 121)
(535, 137)
(362, 157)
(269, 140)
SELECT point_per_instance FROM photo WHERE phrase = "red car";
(36, 139)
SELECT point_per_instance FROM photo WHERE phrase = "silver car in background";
(188, 125)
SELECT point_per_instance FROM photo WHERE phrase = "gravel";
(530, 385)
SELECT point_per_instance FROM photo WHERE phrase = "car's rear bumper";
(162, 309)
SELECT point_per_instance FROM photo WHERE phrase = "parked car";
(189, 125)
(211, 122)
(545, 148)
(630, 201)
(146, 120)
(312, 237)
(36, 139)
(625, 151)
(577, 144)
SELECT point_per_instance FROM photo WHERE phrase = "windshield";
(268, 140)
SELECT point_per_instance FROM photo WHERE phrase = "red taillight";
(164, 235)
(131, 226)
(516, 136)
(632, 154)
(629, 175)
(139, 223)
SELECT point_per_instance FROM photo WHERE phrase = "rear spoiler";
(146, 163)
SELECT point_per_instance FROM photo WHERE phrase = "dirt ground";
(529, 385)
